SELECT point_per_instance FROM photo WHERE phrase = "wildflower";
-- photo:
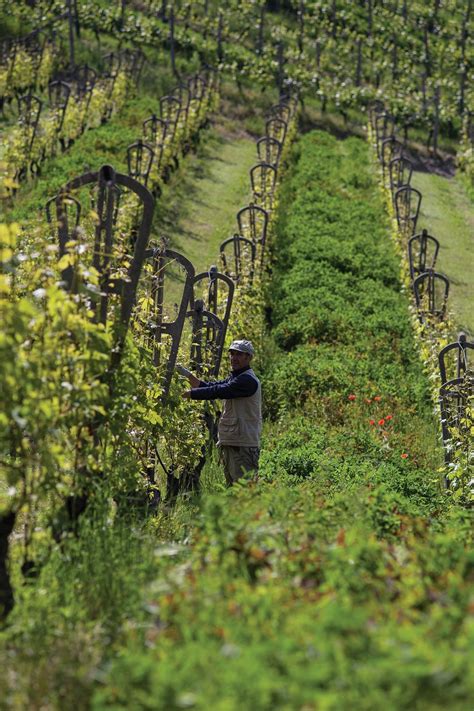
(388, 418)
(371, 422)
(381, 422)
(404, 456)
(367, 400)
(377, 398)
(351, 397)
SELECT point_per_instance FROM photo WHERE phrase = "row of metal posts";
(76, 86)
(430, 288)
(148, 264)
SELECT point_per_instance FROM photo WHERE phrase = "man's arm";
(194, 382)
(242, 385)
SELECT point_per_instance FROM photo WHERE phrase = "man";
(240, 424)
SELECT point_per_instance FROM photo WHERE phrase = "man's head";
(241, 353)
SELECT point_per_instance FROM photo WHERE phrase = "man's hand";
(187, 394)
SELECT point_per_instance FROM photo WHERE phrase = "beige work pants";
(238, 461)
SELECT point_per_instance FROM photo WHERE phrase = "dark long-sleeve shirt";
(238, 384)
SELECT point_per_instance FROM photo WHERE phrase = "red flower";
(351, 397)
(377, 398)
(371, 422)
(388, 417)
(368, 400)
(381, 422)
(404, 456)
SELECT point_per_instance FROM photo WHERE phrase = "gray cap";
(243, 346)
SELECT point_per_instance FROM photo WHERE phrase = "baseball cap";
(243, 346)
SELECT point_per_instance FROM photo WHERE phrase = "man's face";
(239, 360)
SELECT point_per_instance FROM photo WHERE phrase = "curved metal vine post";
(59, 93)
(203, 323)
(458, 358)
(422, 253)
(170, 108)
(212, 80)
(155, 129)
(114, 61)
(456, 401)
(117, 261)
(407, 201)
(152, 321)
(140, 157)
(69, 204)
(240, 263)
(253, 224)
(431, 291)
(134, 60)
(155, 132)
(214, 280)
(84, 79)
(197, 89)
(276, 128)
(263, 180)
(391, 148)
(117, 256)
(400, 171)
(208, 334)
(182, 93)
(29, 110)
(269, 150)
(281, 111)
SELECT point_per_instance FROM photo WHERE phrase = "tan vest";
(240, 424)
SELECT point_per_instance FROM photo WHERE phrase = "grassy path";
(197, 210)
(447, 213)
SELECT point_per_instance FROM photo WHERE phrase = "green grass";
(447, 214)
(197, 209)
